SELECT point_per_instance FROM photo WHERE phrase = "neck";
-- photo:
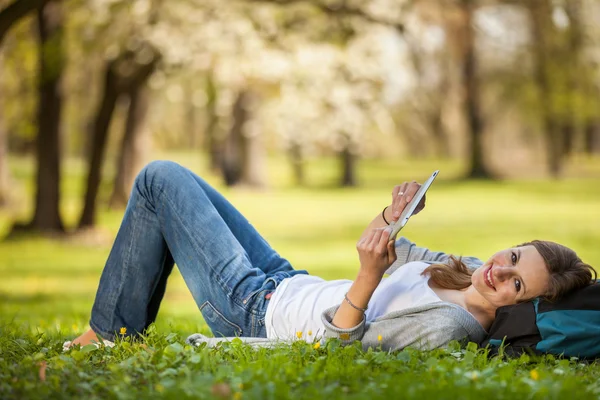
(479, 307)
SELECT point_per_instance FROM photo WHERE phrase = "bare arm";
(376, 253)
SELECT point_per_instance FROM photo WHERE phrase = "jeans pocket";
(251, 300)
(219, 325)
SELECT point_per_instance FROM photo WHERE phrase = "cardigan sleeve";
(346, 335)
(407, 251)
(425, 330)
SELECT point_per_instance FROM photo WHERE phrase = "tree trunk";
(134, 143)
(440, 138)
(470, 86)
(546, 65)
(297, 160)
(243, 151)
(254, 168)
(213, 143)
(348, 159)
(51, 64)
(592, 137)
(4, 169)
(5, 196)
(190, 120)
(98, 148)
(567, 138)
(553, 145)
(235, 146)
(14, 12)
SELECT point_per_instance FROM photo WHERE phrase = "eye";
(513, 258)
(518, 285)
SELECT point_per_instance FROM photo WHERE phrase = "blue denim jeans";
(174, 216)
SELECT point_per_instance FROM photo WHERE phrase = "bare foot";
(88, 337)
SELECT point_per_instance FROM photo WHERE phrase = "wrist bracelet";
(352, 305)
(383, 215)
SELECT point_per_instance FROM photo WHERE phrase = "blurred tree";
(584, 71)
(127, 76)
(20, 85)
(548, 69)
(110, 94)
(457, 21)
(9, 16)
(51, 65)
(344, 109)
(565, 80)
(592, 137)
(4, 168)
(429, 98)
(212, 139)
(243, 155)
(131, 61)
(134, 143)
(14, 12)
(470, 85)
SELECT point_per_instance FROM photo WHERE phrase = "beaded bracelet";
(352, 305)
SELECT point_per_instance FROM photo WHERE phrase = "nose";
(503, 272)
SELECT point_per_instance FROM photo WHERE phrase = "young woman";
(244, 288)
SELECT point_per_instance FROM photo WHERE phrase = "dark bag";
(568, 327)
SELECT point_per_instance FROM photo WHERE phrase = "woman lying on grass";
(244, 288)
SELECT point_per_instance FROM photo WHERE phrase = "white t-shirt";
(295, 308)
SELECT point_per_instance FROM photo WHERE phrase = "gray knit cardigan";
(424, 327)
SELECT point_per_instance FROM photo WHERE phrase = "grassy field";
(47, 287)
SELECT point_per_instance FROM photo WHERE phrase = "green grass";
(47, 287)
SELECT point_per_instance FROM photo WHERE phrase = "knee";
(158, 171)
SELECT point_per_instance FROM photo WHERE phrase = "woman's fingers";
(411, 190)
(375, 241)
(404, 195)
(383, 240)
(375, 238)
(391, 250)
(375, 251)
(397, 200)
(361, 242)
(367, 240)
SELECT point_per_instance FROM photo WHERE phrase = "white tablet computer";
(410, 207)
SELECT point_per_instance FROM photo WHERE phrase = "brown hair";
(567, 271)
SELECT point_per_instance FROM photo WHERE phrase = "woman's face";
(512, 276)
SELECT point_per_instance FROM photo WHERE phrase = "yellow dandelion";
(299, 335)
(241, 386)
(309, 333)
(237, 395)
(123, 331)
(317, 345)
(534, 374)
(74, 327)
(379, 338)
(344, 336)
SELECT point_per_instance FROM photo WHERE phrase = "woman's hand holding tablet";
(409, 199)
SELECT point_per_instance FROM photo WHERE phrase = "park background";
(305, 114)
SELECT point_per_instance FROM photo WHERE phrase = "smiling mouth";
(487, 277)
